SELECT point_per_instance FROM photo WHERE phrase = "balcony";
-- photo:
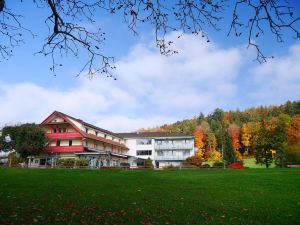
(56, 149)
(183, 146)
(65, 135)
(170, 158)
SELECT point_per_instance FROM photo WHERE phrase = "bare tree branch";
(68, 22)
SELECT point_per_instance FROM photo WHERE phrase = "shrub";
(170, 167)
(66, 162)
(149, 163)
(218, 164)
(124, 164)
(82, 162)
(193, 161)
(236, 166)
(14, 160)
(206, 165)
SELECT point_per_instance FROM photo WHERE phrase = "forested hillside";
(266, 132)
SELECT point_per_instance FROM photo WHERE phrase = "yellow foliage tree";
(245, 137)
(214, 156)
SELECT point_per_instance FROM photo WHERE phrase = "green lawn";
(250, 196)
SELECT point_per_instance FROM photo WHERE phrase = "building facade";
(165, 149)
(73, 138)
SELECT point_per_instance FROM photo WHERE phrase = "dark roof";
(151, 135)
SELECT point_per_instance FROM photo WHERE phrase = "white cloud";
(279, 79)
(153, 89)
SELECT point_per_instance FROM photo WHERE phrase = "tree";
(279, 137)
(293, 130)
(68, 34)
(199, 140)
(148, 163)
(245, 137)
(263, 150)
(234, 133)
(28, 139)
(228, 150)
(211, 144)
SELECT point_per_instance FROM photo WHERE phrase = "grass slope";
(251, 196)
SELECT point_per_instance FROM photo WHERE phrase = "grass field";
(250, 196)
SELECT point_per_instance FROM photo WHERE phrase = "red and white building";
(73, 138)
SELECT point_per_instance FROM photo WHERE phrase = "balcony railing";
(173, 158)
(65, 149)
(65, 135)
(173, 146)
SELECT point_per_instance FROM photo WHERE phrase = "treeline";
(266, 133)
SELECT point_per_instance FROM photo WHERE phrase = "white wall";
(133, 147)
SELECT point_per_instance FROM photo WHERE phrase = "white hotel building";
(163, 148)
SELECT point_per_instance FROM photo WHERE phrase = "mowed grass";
(250, 196)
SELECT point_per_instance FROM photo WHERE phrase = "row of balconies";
(173, 146)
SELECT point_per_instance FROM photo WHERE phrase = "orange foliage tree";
(234, 133)
(199, 140)
(293, 130)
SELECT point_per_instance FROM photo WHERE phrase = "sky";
(151, 89)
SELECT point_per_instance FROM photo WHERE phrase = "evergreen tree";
(228, 150)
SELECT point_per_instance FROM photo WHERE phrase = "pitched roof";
(86, 135)
(152, 135)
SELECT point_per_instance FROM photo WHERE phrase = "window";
(86, 130)
(58, 143)
(70, 142)
(144, 152)
(159, 142)
(64, 130)
(42, 162)
(36, 161)
(54, 130)
(96, 133)
(143, 142)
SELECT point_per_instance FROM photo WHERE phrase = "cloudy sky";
(151, 89)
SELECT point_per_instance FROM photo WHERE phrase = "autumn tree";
(293, 131)
(234, 133)
(69, 22)
(245, 138)
(200, 140)
(211, 144)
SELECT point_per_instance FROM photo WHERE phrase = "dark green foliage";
(228, 150)
(218, 164)
(263, 154)
(27, 139)
(11, 131)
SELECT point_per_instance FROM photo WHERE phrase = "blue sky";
(151, 89)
